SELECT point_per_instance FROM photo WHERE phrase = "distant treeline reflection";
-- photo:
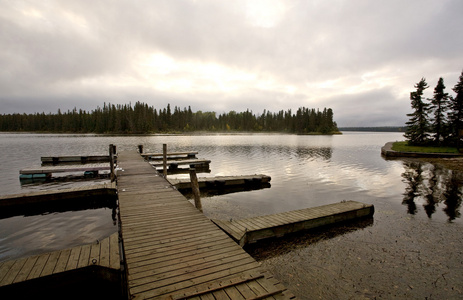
(434, 185)
(141, 118)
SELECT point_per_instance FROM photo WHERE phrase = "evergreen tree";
(439, 104)
(456, 111)
(418, 125)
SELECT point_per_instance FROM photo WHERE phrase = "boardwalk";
(253, 229)
(172, 251)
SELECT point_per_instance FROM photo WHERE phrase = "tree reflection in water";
(434, 185)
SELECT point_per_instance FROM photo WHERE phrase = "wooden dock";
(54, 160)
(96, 190)
(170, 155)
(172, 251)
(221, 181)
(173, 164)
(48, 170)
(101, 258)
(277, 225)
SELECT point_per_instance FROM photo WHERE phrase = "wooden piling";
(111, 162)
(164, 160)
(195, 189)
(140, 149)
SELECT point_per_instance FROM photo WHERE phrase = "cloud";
(360, 57)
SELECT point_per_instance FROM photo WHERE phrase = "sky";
(361, 58)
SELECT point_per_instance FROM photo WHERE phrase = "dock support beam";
(195, 189)
(164, 160)
(111, 161)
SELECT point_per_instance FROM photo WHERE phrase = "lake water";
(411, 249)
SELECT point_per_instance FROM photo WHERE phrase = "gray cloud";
(360, 57)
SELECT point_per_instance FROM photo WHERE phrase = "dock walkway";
(172, 251)
(277, 225)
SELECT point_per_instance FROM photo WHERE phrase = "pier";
(277, 225)
(172, 251)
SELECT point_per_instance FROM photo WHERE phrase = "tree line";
(142, 118)
(437, 120)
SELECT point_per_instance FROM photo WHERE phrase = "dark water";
(412, 248)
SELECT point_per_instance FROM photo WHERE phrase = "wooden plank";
(84, 257)
(104, 253)
(38, 266)
(13, 271)
(62, 261)
(73, 260)
(50, 264)
(114, 256)
(26, 269)
(95, 254)
(4, 269)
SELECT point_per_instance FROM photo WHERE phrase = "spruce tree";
(456, 111)
(439, 105)
(418, 125)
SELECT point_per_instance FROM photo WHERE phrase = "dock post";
(111, 161)
(195, 189)
(140, 149)
(164, 160)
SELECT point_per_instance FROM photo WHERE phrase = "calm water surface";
(411, 249)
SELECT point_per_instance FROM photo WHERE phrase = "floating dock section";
(49, 170)
(221, 181)
(170, 155)
(100, 260)
(173, 164)
(96, 190)
(277, 225)
(172, 251)
(54, 160)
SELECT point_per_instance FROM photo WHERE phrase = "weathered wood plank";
(38, 266)
(50, 264)
(104, 253)
(13, 272)
(114, 256)
(62, 261)
(84, 257)
(26, 269)
(73, 258)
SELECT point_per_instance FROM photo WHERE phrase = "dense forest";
(141, 118)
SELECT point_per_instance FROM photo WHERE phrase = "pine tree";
(439, 105)
(418, 125)
(456, 111)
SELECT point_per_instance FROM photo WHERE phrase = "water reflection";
(45, 208)
(270, 248)
(431, 185)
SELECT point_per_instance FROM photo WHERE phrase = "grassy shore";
(404, 147)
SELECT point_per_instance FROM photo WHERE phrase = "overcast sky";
(359, 57)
